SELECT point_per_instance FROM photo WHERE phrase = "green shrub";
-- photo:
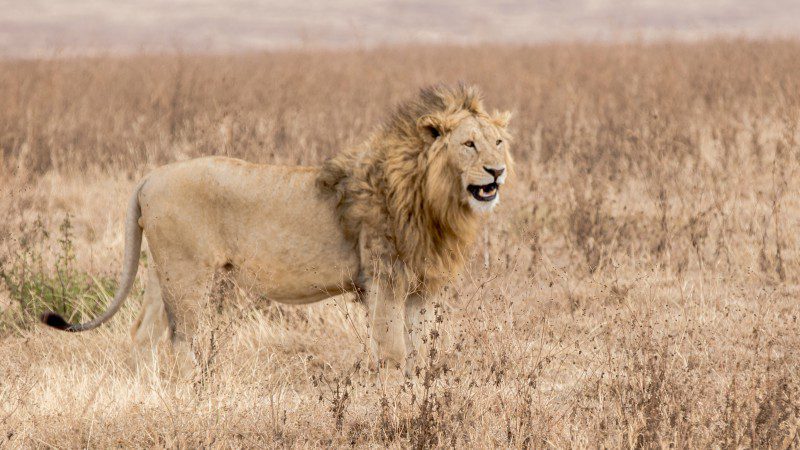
(36, 286)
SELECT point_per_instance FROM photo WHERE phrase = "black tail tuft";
(56, 321)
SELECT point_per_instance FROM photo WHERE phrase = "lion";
(389, 220)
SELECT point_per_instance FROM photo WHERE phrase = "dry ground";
(642, 276)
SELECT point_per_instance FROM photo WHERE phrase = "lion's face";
(477, 151)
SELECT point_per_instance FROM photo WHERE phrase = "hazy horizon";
(42, 28)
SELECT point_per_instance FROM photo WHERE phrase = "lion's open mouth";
(483, 193)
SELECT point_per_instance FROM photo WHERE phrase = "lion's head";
(469, 148)
(424, 177)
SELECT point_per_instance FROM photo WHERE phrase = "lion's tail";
(133, 245)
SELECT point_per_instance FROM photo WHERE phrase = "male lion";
(389, 220)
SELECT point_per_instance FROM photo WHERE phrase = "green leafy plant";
(37, 286)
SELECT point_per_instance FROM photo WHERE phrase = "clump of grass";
(337, 391)
(37, 286)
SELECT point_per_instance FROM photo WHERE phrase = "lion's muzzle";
(488, 192)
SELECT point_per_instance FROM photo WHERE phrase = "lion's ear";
(432, 126)
(501, 119)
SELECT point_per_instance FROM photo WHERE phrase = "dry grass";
(643, 268)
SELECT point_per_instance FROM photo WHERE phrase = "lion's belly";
(298, 270)
(295, 284)
(269, 223)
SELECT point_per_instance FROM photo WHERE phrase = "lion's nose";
(495, 172)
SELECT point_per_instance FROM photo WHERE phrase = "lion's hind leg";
(150, 326)
(186, 287)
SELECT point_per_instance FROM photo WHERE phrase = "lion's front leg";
(386, 319)
(423, 335)
(417, 325)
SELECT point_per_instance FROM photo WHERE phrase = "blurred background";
(47, 27)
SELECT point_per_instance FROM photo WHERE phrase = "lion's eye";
(499, 141)
(470, 144)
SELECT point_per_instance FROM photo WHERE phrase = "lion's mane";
(397, 184)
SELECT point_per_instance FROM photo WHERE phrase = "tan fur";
(400, 186)
(401, 195)
(390, 219)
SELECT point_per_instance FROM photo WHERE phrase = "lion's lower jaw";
(480, 207)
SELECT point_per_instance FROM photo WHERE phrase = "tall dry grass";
(642, 279)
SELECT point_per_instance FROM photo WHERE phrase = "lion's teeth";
(487, 192)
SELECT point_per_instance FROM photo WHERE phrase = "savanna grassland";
(637, 287)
